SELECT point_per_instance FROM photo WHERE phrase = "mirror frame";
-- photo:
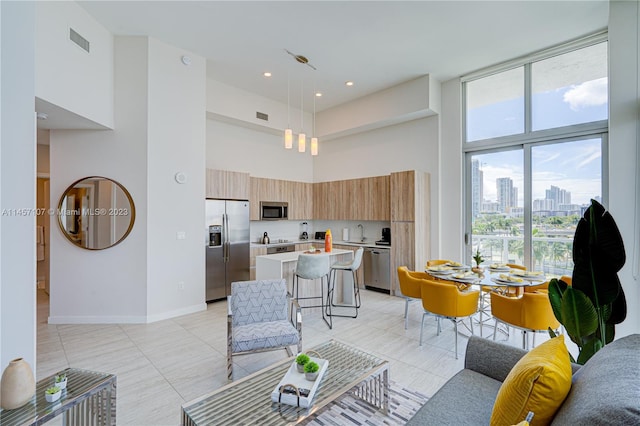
(72, 186)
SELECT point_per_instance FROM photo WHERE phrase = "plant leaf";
(555, 297)
(579, 316)
(589, 348)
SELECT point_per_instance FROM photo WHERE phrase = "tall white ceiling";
(376, 44)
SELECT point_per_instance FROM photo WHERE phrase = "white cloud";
(589, 93)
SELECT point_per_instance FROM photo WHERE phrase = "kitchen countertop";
(292, 256)
(346, 243)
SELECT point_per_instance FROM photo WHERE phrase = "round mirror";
(96, 213)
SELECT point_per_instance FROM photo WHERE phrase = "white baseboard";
(63, 319)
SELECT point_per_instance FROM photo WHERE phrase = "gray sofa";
(604, 391)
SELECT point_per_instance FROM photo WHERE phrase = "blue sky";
(574, 166)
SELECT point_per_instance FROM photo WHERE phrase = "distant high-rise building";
(477, 183)
(506, 194)
(558, 196)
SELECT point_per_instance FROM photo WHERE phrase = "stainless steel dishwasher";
(377, 269)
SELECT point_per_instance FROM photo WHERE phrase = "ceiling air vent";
(262, 116)
(79, 40)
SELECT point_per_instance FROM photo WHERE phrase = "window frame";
(528, 139)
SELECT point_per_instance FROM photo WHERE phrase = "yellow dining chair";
(410, 288)
(437, 262)
(445, 300)
(530, 313)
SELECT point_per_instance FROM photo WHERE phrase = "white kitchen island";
(283, 265)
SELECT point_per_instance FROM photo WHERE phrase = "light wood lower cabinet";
(253, 252)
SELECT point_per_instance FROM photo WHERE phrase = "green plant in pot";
(301, 360)
(311, 370)
(590, 308)
(478, 259)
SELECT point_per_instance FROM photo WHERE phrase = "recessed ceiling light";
(349, 83)
(42, 116)
(267, 74)
(318, 94)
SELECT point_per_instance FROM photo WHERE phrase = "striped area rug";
(351, 410)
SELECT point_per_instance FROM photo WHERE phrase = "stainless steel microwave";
(274, 210)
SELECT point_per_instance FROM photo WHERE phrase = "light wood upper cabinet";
(352, 199)
(299, 195)
(410, 222)
(403, 196)
(227, 185)
(301, 201)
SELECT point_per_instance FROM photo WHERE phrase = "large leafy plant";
(590, 307)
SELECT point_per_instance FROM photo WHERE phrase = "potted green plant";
(301, 360)
(61, 381)
(590, 307)
(478, 259)
(311, 370)
(52, 394)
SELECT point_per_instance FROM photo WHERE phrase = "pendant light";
(288, 133)
(302, 138)
(314, 139)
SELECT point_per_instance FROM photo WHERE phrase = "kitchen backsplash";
(291, 229)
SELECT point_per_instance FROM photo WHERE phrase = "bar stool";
(352, 266)
(313, 267)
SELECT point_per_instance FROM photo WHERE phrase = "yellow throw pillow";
(539, 382)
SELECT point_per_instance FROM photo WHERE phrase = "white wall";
(450, 202)
(176, 142)
(624, 147)
(109, 285)
(406, 146)
(66, 75)
(410, 100)
(160, 130)
(17, 184)
(232, 147)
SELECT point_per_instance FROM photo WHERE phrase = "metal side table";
(89, 399)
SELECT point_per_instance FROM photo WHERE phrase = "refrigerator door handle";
(225, 227)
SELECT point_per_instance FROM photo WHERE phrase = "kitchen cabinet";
(299, 195)
(253, 252)
(303, 246)
(352, 199)
(227, 185)
(410, 222)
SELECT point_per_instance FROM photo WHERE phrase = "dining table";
(498, 277)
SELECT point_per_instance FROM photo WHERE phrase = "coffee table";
(248, 400)
(89, 399)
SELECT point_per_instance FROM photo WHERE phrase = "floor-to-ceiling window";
(535, 150)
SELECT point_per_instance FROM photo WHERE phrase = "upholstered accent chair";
(410, 288)
(530, 313)
(445, 300)
(260, 319)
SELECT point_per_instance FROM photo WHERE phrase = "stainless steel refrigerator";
(227, 246)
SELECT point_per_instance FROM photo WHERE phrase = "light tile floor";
(164, 364)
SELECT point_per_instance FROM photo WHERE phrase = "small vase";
(300, 368)
(311, 376)
(62, 384)
(52, 397)
(18, 384)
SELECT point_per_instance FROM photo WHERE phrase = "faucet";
(361, 232)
